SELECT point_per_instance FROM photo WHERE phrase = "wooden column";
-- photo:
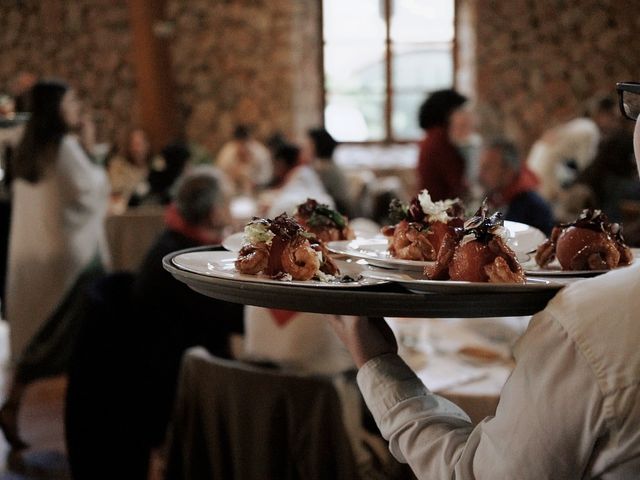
(152, 65)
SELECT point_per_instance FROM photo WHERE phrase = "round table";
(375, 301)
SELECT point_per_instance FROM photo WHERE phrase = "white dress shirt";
(571, 408)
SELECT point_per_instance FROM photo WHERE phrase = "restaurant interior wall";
(538, 62)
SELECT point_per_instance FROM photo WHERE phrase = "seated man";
(510, 186)
(175, 317)
(124, 370)
(571, 408)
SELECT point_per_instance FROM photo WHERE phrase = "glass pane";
(355, 118)
(404, 117)
(354, 66)
(420, 20)
(422, 67)
(350, 19)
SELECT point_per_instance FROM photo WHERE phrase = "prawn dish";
(422, 227)
(324, 222)
(282, 249)
(478, 252)
(589, 243)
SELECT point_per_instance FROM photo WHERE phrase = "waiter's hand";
(364, 337)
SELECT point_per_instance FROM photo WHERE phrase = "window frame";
(388, 55)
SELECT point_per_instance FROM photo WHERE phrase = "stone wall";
(252, 62)
(535, 62)
(83, 42)
(541, 62)
(233, 61)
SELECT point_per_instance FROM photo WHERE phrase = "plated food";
(477, 252)
(422, 227)
(324, 222)
(591, 243)
(282, 249)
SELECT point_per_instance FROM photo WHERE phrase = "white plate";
(221, 265)
(417, 283)
(375, 251)
(555, 270)
(234, 242)
(521, 237)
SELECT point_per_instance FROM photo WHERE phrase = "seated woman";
(128, 168)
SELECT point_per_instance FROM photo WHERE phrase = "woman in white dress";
(57, 243)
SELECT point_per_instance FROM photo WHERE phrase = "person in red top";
(511, 186)
(441, 166)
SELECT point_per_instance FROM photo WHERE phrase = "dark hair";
(241, 132)
(43, 131)
(323, 142)
(508, 151)
(437, 108)
(289, 154)
(275, 141)
(606, 104)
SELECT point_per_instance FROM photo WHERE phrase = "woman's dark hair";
(323, 142)
(289, 154)
(43, 131)
(437, 108)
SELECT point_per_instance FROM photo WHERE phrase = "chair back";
(236, 421)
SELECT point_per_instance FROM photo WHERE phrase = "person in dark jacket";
(510, 186)
(125, 366)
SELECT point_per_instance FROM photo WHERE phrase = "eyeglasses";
(629, 95)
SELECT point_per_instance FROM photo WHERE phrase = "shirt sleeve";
(547, 422)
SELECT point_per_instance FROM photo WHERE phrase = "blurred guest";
(57, 240)
(245, 161)
(463, 134)
(321, 146)
(125, 366)
(175, 316)
(128, 168)
(612, 176)
(558, 158)
(165, 169)
(293, 182)
(510, 186)
(441, 166)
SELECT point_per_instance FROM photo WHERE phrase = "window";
(381, 58)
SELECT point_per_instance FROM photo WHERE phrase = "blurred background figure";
(150, 320)
(320, 147)
(441, 165)
(245, 161)
(561, 154)
(57, 240)
(511, 187)
(294, 180)
(165, 170)
(128, 168)
(463, 134)
(612, 177)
